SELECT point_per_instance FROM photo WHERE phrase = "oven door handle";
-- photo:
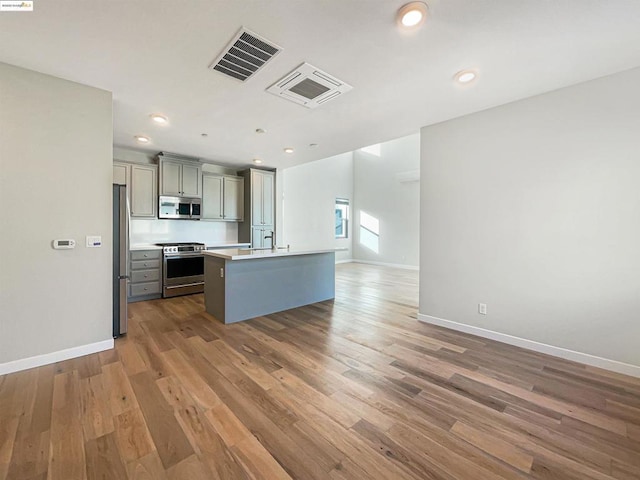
(183, 255)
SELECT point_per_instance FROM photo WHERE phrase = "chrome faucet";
(273, 239)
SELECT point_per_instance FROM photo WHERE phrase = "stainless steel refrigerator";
(120, 259)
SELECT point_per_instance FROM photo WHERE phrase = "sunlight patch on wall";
(369, 232)
(372, 150)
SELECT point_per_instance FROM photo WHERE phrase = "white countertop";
(151, 246)
(247, 254)
(226, 245)
(145, 246)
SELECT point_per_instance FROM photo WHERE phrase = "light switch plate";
(94, 241)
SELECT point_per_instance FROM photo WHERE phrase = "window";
(342, 218)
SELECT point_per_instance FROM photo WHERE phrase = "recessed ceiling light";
(465, 76)
(288, 150)
(412, 14)
(142, 139)
(159, 119)
(257, 161)
(260, 130)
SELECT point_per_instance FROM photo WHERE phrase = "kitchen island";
(240, 284)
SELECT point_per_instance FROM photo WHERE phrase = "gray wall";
(379, 192)
(308, 196)
(55, 182)
(534, 209)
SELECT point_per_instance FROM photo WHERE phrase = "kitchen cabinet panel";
(191, 179)
(171, 178)
(233, 199)
(268, 196)
(142, 187)
(180, 179)
(121, 173)
(212, 197)
(142, 289)
(146, 254)
(145, 275)
(222, 197)
(145, 264)
(259, 205)
(258, 234)
(143, 191)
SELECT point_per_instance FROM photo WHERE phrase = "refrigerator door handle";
(123, 276)
(128, 226)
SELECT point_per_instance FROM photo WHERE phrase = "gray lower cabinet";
(258, 234)
(145, 281)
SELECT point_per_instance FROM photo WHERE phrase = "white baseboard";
(383, 264)
(587, 359)
(53, 357)
(348, 260)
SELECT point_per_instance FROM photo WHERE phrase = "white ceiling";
(153, 56)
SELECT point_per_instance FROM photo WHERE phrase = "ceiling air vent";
(245, 54)
(309, 86)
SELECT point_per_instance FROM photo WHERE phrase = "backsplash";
(155, 231)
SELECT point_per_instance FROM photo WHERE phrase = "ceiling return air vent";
(245, 54)
(309, 86)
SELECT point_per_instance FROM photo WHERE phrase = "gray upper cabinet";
(212, 197)
(143, 194)
(180, 179)
(170, 178)
(259, 206)
(121, 173)
(191, 180)
(262, 197)
(142, 187)
(233, 204)
(222, 198)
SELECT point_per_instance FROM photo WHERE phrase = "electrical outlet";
(482, 308)
(221, 272)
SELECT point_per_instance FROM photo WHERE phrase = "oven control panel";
(175, 249)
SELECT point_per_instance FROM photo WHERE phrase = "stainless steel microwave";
(179, 207)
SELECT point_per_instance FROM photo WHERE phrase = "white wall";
(55, 182)
(534, 209)
(156, 231)
(379, 192)
(309, 192)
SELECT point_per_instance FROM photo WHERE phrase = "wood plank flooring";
(355, 388)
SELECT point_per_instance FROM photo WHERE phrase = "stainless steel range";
(182, 268)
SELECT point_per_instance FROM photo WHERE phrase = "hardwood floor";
(351, 389)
